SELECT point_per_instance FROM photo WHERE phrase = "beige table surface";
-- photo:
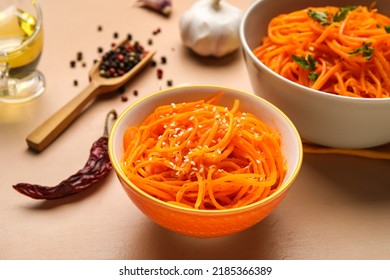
(338, 208)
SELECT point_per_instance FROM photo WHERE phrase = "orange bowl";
(207, 223)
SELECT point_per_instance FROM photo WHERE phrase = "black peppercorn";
(121, 89)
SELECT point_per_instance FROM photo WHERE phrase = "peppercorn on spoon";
(49, 130)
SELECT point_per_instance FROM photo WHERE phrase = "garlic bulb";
(210, 28)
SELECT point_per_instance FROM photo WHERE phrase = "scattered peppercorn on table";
(338, 208)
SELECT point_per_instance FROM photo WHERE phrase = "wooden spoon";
(44, 134)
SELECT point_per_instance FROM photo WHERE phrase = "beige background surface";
(338, 208)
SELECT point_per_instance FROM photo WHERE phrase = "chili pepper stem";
(106, 125)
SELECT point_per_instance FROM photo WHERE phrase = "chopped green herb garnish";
(365, 50)
(309, 64)
(321, 17)
(313, 76)
(342, 13)
(387, 28)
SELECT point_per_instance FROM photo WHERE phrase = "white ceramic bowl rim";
(249, 51)
(116, 165)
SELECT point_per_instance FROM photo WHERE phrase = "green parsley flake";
(308, 63)
(365, 50)
(321, 17)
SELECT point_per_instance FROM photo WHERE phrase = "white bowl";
(322, 118)
(207, 223)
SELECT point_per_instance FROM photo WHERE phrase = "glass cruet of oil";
(21, 43)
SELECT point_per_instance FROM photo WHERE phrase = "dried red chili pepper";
(96, 168)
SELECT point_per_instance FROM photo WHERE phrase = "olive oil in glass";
(21, 43)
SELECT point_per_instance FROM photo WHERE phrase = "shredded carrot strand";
(352, 54)
(204, 156)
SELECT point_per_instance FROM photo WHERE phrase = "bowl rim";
(116, 165)
(249, 51)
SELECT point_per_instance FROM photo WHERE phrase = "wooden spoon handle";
(44, 134)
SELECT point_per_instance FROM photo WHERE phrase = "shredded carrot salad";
(344, 51)
(204, 156)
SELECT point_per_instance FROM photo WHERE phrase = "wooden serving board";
(381, 152)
